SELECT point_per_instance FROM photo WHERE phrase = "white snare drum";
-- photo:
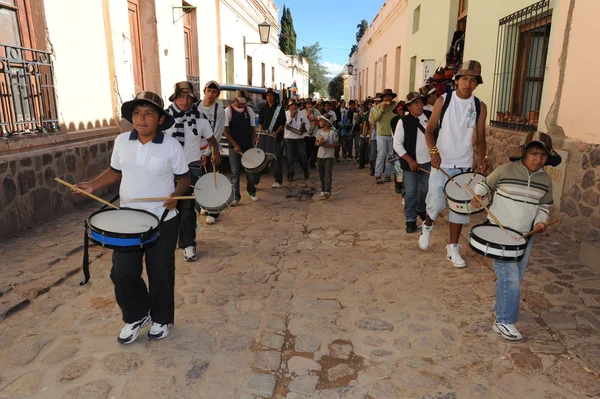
(267, 143)
(213, 199)
(491, 241)
(459, 198)
(254, 160)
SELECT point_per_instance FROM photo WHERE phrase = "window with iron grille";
(520, 69)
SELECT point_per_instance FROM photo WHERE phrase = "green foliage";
(336, 87)
(316, 71)
(287, 38)
(361, 29)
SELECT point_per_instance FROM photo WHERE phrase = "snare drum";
(267, 144)
(124, 229)
(459, 198)
(491, 241)
(254, 160)
(213, 199)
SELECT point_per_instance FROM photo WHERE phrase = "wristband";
(434, 150)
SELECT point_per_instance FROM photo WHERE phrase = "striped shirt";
(522, 199)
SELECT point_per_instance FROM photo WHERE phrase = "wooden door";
(136, 44)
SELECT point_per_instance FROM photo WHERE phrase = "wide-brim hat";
(326, 119)
(411, 97)
(427, 90)
(269, 90)
(183, 87)
(554, 159)
(241, 96)
(470, 68)
(401, 105)
(388, 92)
(292, 101)
(147, 97)
(377, 97)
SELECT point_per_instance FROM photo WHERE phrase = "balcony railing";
(27, 96)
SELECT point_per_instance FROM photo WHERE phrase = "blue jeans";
(416, 185)
(384, 150)
(373, 152)
(235, 161)
(508, 286)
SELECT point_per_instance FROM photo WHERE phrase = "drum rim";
(464, 204)
(493, 244)
(126, 248)
(114, 234)
(258, 168)
(450, 181)
(494, 256)
(219, 209)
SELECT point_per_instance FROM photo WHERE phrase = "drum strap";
(274, 119)
(86, 246)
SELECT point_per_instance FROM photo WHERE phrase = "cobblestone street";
(293, 297)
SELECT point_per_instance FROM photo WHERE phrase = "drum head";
(209, 196)
(461, 193)
(253, 158)
(495, 234)
(125, 221)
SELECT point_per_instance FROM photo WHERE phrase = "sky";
(332, 23)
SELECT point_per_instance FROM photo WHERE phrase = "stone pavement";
(297, 297)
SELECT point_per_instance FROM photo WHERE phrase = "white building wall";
(122, 54)
(171, 48)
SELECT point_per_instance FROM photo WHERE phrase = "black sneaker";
(306, 175)
(130, 331)
(422, 216)
(388, 179)
(290, 178)
(411, 227)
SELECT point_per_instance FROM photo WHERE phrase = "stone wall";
(29, 195)
(579, 211)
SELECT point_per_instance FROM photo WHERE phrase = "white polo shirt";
(148, 170)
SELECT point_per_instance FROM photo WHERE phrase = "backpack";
(447, 100)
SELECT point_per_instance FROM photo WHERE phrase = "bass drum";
(267, 144)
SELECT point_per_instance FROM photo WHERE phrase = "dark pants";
(277, 163)
(134, 299)
(295, 148)
(356, 135)
(311, 151)
(325, 173)
(364, 152)
(235, 162)
(187, 214)
(416, 185)
(347, 146)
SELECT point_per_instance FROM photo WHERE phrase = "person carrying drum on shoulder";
(430, 96)
(271, 118)
(382, 115)
(411, 146)
(147, 163)
(522, 202)
(295, 127)
(211, 110)
(460, 116)
(195, 135)
(239, 131)
(311, 149)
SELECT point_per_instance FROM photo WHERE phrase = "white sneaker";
(454, 255)
(130, 331)
(235, 202)
(322, 193)
(508, 331)
(276, 185)
(424, 237)
(253, 197)
(189, 254)
(210, 220)
(202, 211)
(158, 331)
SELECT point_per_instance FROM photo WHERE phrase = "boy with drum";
(327, 141)
(522, 200)
(194, 133)
(462, 116)
(147, 163)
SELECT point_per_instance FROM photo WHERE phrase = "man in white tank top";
(453, 151)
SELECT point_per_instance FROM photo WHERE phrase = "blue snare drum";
(124, 229)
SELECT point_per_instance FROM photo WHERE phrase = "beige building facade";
(537, 62)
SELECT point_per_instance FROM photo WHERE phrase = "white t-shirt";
(329, 137)
(216, 124)
(421, 150)
(455, 141)
(195, 144)
(240, 110)
(315, 114)
(333, 116)
(147, 170)
(295, 123)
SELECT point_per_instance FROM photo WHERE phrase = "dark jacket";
(411, 132)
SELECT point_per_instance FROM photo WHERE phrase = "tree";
(287, 38)
(336, 87)
(316, 71)
(361, 29)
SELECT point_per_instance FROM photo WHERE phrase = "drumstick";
(486, 209)
(72, 187)
(425, 170)
(151, 199)
(214, 171)
(532, 232)
(449, 177)
(479, 167)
